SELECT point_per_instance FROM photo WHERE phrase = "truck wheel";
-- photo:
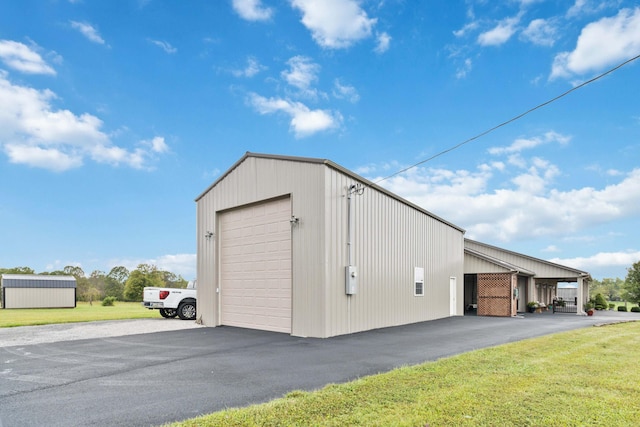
(168, 312)
(187, 310)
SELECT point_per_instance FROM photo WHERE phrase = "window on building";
(418, 280)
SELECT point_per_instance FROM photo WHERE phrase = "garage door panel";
(255, 267)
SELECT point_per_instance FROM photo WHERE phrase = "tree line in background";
(127, 286)
(119, 283)
(618, 289)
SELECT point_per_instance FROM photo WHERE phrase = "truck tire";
(187, 310)
(168, 313)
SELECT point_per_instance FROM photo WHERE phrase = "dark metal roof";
(332, 165)
(37, 281)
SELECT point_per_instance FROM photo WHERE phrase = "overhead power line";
(519, 116)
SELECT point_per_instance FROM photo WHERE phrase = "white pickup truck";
(172, 302)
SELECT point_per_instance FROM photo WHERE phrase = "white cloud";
(501, 33)
(302, 72)
(335, 24)
(88, 31)
(471, 26)
(252, 68)
(529, 209)
(384, 41)
(464, 69)
(34, 133)
(577, 8)
(585, 7)
(157, 145)
(252, 10)
(527, 204)
(601, 259)
(347, 92)
(600, 44)
(44, 158)
(304, 121)
(164, 46)
(542, 32)
(522, 144)
(22, 58)
(551, 248)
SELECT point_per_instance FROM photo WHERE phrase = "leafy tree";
(87, 290)
(120, 274)
(171, 280)
(632, 284)
(73, 270)
(600, 302)
(610, 288)
(115, 281)
(97, 285)
(53, 273)
(17, 270)
(143, 276)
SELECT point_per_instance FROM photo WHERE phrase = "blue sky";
(115, 115)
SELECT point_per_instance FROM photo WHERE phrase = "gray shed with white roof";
(38, 291)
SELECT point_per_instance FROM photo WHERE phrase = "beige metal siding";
(257, 180)
(390, 240)
(255, 266)
(39, 297)
(475, 265)
(540, 267)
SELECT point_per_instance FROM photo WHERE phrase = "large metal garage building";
(306, 247)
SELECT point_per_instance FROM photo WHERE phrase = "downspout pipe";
(350, 224)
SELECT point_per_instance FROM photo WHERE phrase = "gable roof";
(503, 264)
(334, 166)
(538, 267)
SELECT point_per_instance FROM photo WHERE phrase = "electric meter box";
(351, 280)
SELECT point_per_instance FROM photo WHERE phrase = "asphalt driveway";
(155, 378)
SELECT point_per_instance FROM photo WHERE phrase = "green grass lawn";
(588, 377)
(82, 313)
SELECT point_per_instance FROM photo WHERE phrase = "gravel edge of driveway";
(28, 335)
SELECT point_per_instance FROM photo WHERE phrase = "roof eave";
(335, 166)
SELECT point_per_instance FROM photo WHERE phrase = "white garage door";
(255, 267)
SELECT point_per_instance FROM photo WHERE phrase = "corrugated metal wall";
(255, 180)
(475, 265)
(391, 238)
(39, 297)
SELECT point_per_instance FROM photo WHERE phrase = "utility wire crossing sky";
(114, 116)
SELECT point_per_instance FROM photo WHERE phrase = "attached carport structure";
(499, 282)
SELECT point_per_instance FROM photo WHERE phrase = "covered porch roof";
(485, 258)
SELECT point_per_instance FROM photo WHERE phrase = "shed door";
(255, 266)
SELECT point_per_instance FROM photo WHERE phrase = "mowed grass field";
(82, 313)
(587, 377)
